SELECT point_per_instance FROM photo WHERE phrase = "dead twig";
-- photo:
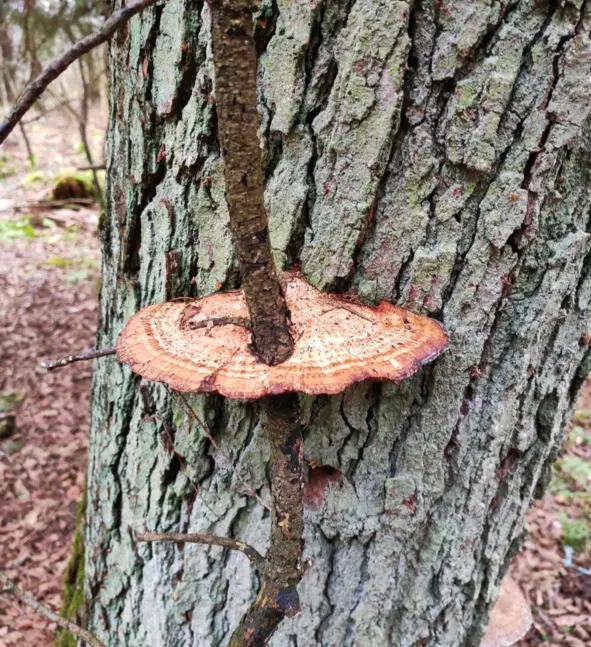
(46, 111)
(210, 540)
(212, 322)
(83, 124)
(35, 88)
(30, 153)
(9, 586)
(64, 103)
(52, 364)
(351, 310)
(98, 167)
(54, 204)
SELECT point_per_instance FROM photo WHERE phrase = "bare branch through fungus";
(270, 340)
(278, 596)
(235, 63)
(10, 587)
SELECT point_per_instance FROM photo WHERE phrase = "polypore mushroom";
(510, 618)
(337, 343)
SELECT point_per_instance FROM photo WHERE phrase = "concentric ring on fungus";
(337, 343)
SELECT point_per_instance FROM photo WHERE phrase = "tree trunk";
(433, 154)
(6, 59)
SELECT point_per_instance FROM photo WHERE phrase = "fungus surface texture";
(337, 343)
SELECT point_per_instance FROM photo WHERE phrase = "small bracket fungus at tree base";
(204, 345)
(510, 618)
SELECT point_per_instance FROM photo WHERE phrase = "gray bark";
(434, 154)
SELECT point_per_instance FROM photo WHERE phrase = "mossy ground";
(571, 484)
(16, 228)
(76, 184)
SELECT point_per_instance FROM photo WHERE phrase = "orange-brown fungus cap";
(510, 618)
(337, 343)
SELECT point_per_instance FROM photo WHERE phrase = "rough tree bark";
(435, 154)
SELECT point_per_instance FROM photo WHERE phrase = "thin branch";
(10, 587)
(83, 129)
(210, 540)
(61, 103)
(278, 595)
(52, 364)
(207, 433)
(68, 105)
(54, 204)
(235, 63)
(351, 310)
(35, 88)
(98, 167)
(212, 322)
(166, 438)
(46, 111)
(30, 154)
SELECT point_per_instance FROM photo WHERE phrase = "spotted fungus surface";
(205, 345)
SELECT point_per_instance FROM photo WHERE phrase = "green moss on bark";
(73, 605)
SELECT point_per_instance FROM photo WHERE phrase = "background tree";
(33, 32)
(37, 30)
(434, 154)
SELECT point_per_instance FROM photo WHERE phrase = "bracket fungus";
(204, 345)
(510, 618)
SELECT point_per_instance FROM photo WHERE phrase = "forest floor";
(49, 278)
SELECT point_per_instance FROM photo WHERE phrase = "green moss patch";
(67, 188)
(16, 228)
(74, 602)
(70, 184)
(571, 486)
(35, 178)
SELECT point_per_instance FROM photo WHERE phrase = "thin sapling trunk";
(238, 123)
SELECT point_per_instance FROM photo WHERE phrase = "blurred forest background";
(51, 192)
